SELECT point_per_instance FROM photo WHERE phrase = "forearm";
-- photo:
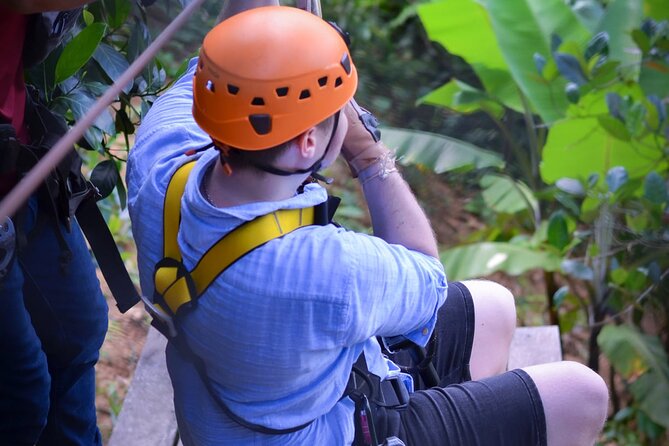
(34, 6)
(396, 215)
(233, 7)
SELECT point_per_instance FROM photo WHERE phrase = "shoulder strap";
(175, 284)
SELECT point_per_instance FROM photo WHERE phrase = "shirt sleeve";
(167, 131)
(391, 290)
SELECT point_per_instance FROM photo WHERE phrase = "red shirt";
(12, 86)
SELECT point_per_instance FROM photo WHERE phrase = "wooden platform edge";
(147, 415)
(535, 345)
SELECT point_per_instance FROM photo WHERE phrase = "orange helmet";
(268, 74)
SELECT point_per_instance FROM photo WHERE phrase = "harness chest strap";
(174, 284)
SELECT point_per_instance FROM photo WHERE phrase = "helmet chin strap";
(313, 169)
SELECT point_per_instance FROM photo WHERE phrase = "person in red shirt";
(53, 316)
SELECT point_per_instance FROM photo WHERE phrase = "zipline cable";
(312, 6)
(22, 191)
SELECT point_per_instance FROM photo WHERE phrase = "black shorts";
(501, 410)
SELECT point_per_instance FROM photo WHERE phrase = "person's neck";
(247, 186)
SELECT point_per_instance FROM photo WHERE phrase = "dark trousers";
(501, 410)
(53, 319)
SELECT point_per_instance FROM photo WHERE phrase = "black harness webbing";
(95, 228)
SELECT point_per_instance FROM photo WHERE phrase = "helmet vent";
(262, 124)
(305, 94)
(323, 81)
(233, 89)
(211, 87)
(338, 82)
(258, 101)
(346, 63)
(282, 91)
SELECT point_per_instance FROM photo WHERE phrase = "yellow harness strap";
(174, 284)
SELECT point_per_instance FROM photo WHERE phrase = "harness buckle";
(393, 393)
(163, 321)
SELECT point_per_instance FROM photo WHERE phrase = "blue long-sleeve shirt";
(281, 328)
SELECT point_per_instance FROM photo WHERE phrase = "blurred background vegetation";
(533, 131)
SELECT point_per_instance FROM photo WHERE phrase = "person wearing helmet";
(281, 347)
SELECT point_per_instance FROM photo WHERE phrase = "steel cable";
(22, 191)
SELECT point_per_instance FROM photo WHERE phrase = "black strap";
(106, 252)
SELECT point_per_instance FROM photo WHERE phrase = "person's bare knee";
(495, 322)
(575, 401)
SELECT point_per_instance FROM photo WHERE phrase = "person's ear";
(306, 143)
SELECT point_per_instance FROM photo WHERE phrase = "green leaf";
(614, 127)
(438, 153)
(119, 11)
(570, 68)
(599, 44)
(616, 177)
(589, 13)
(633, 353)
(482, 259)
(572, 92)
(578, 147)
(105, 176)
(463, 28)
(80, 102)
(641, 40)
(577, 269)
(112, 63)
(619, 276)
(88, 17)
(655, 188)
(122, 193)
(558, 232)
(570, 186)
(656, 9)
(505, 195)
(463, 98)
(541, 19)
(560, 295)
(654, 78)
(78, 51)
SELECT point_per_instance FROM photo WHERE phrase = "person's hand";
(362, 144)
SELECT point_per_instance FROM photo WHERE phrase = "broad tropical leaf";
(641, 358)
(463, 98)
(463, 28)
(505, 195)
(481, 259)
(621, 17)
(524, 28)
(438, 153)
(579, 147)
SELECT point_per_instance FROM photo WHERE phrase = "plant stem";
(533, 140)
(517, 150)
(551, 288)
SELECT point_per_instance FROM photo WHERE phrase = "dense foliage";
(588, 203)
